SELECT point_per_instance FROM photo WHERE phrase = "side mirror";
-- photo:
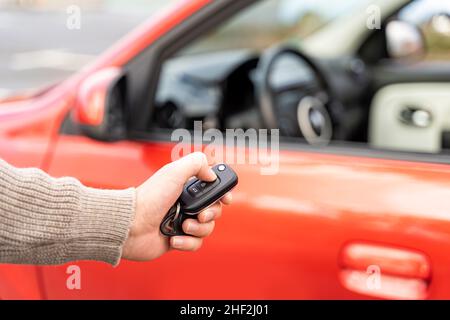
(100, 105)
(404, 40)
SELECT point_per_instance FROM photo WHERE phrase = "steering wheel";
(297, 109)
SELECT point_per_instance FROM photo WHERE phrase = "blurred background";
(37, 49)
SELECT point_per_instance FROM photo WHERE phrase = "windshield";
(43, 42)
(273, 21)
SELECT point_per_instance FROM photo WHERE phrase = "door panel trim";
(353, 149)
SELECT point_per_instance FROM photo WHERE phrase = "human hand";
(156, 196)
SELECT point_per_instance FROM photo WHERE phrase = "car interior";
(347, 99)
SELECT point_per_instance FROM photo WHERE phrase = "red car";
(364, 215)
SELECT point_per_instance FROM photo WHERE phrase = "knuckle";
(200, 159)
(206, 229)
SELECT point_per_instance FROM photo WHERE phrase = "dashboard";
(219, 88)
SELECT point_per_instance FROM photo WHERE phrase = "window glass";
(273, 21)
(433, 18)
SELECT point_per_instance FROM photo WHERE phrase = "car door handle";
(416, 116)
(384, 271)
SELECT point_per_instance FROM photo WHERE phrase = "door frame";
(152, 58)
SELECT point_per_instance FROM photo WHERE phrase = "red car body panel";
(302, 233)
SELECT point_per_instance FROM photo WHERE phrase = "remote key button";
(210, 185)
(194, 190)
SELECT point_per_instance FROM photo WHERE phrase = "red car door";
(325, 226)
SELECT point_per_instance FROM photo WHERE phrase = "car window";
(215, 78)
(42, 42)
(274, 21)
(433, 19)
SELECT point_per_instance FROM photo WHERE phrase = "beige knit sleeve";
(52, 221)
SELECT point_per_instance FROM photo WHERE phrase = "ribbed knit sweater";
(44, 220)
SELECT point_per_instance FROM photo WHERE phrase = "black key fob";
(197, 195)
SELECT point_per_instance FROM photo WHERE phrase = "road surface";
(37, 48)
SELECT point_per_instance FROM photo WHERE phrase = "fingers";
(227, 198)
(215, 211)
(195, 228)
(186, 243)
(211, 213)
(194, 164)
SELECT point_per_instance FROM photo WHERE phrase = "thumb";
(194, 164)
